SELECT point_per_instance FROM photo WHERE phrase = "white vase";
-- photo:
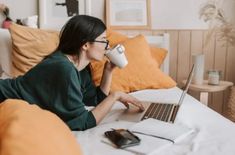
(198, 61)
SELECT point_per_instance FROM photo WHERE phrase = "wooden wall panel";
(184, 46)
(229, 73)
(196, 44)
(230, 66)
(219, 63)
(209, 52)
(174, 38)
(196, 48)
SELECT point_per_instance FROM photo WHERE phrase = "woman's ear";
(86, 46)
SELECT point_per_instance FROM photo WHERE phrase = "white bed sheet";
(214, 133)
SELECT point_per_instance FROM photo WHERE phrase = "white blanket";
(214, 134)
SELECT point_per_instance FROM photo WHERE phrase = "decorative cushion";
(30, 46)
(115, 37)
(142, 71)
(28, 130)
(159, 54)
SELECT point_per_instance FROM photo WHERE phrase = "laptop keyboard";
(159, 111)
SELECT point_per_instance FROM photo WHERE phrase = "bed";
(213, 134)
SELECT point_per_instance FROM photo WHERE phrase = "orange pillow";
(115, 37)
(142, 71)
(30, 46)
(28, 130)
(159, 54)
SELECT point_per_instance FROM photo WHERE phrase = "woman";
(62, 82)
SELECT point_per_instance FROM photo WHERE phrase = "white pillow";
(31, 21)
(5, 51)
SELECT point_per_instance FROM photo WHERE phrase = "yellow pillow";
(28, 130)
(142, 71)
(30, 46)
(159, 54)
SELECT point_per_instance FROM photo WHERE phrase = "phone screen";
(122, 138)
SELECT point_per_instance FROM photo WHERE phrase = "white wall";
(229, 7)
(166, 14)
(176, 14)
(20, 8)
(98, 8)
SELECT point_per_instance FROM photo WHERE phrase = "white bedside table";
(204, 89)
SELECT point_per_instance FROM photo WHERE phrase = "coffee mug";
(117, 56)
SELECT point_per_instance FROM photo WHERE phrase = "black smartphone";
(122, 138)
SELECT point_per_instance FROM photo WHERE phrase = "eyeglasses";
(106, 42)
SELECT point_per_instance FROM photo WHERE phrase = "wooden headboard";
(162, 41)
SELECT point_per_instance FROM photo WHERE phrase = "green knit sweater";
(56, 85)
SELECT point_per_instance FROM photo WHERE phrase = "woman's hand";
(127, 99)
(104, 107)
(109, 66)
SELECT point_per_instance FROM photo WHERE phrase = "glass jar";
(213, 77)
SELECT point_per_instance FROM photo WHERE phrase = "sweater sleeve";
(92, 95)
(100, 94)
(78, 117)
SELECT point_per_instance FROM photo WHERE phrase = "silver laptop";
(162, 111)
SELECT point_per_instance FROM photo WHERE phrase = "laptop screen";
(189, 79)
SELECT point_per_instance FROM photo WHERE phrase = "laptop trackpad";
(133, 114)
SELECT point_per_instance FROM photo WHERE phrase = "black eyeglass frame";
(106, 42)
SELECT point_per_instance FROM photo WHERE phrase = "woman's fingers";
(109, 66)
(139, 105)
(128, 99)
(126, 104)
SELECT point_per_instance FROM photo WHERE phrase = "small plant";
(5, 11)
(213, 14)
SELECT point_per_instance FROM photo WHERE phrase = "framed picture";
(53, 14)
(128, 14)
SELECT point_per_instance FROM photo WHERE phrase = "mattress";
(213, 134)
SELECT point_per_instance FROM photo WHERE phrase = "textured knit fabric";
(56, 85)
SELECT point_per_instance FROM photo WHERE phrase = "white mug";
(117, 56)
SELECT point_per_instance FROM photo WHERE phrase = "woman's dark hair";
(79, 30)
